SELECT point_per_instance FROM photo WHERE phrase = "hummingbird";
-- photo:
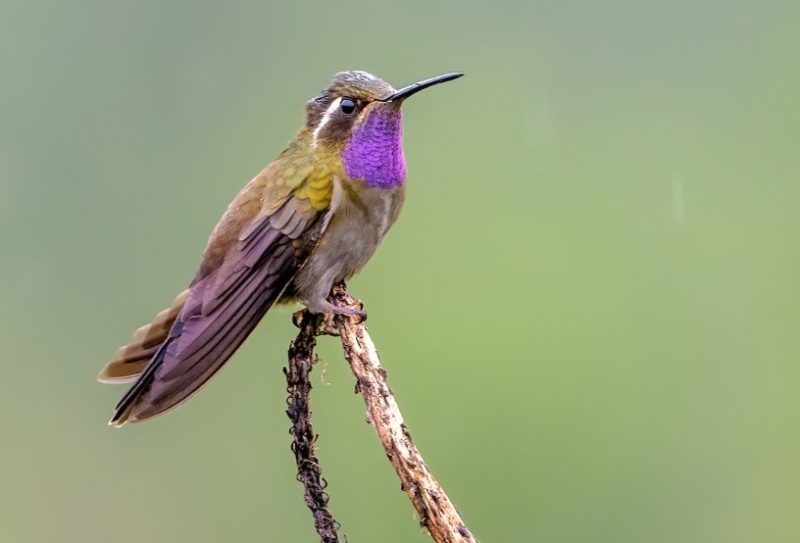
(311, 218)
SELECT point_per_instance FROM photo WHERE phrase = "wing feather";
(223, 307)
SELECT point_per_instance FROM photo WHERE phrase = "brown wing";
(235, 287)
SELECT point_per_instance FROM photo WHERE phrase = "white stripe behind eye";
(325, 119)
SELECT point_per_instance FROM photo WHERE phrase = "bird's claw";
(350, 311)
(338, 304)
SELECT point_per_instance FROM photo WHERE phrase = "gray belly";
(356, 228)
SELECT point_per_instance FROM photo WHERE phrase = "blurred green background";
(588, 309)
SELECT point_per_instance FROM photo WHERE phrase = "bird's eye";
(347, 106)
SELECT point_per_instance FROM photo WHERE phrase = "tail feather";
(122, 411)
(131, 359)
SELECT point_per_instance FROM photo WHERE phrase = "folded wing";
(223, 306)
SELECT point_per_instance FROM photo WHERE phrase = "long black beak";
(414, 88)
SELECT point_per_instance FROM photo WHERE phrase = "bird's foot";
(347, 311)
(341, 303)
(324, 311)
(332, 309)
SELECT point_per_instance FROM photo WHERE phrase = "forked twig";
(436, 512)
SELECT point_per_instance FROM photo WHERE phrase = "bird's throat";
(374, 152)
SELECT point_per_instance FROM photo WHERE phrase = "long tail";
(131, 359)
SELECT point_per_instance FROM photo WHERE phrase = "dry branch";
(298, 409)
(436, 512)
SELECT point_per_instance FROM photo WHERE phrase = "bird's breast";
(360, 218)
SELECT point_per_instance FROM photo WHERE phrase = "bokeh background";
(588, 310)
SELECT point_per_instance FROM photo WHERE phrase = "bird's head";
(357, 120)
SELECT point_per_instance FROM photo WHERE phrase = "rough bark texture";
(436, 512)
(298, 409)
